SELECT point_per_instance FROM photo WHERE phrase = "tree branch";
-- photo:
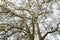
(12, 26)
(9, 10)
(54, 30)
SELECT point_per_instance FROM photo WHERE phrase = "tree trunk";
(42, 38)
(33, 38)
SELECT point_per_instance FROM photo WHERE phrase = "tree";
(30, 15)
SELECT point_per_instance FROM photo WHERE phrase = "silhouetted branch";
(12, 26)
(54, 30)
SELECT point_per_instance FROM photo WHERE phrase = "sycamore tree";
(28, 18)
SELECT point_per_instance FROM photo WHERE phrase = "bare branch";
(8, 10)
(24, 21)
(44, 1)
(54, 30)
(14, 33)
(24, 9)
(12, 26)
